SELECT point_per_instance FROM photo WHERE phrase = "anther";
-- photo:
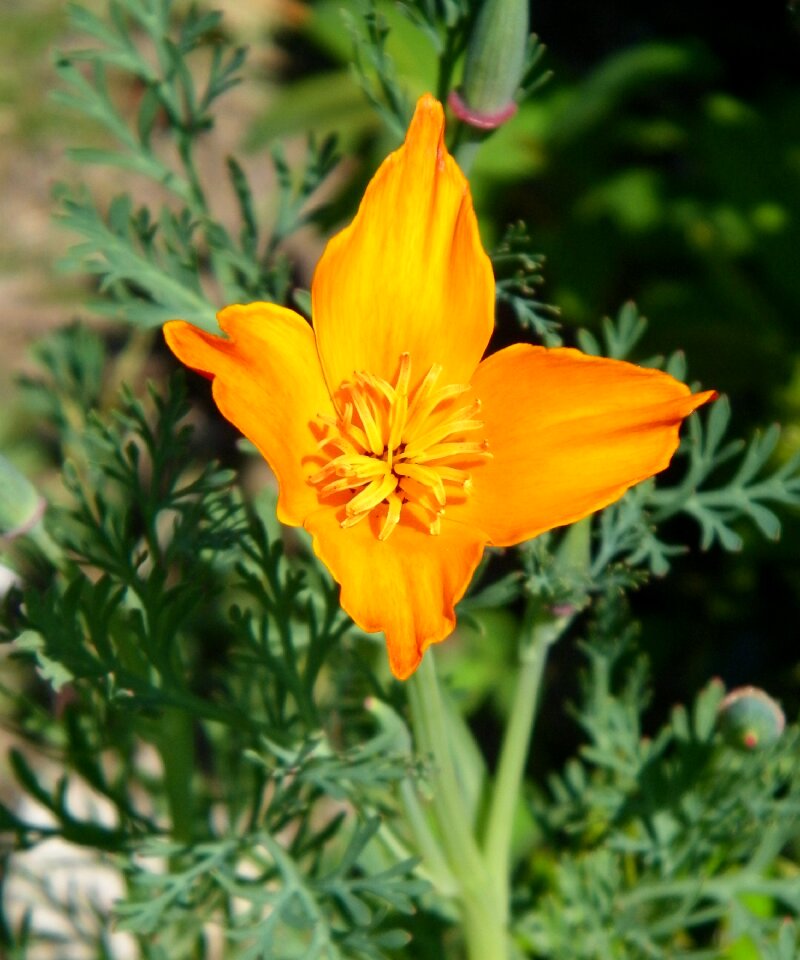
(373, 494)
(394, 506)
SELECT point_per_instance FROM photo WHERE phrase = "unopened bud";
(750, 718)
(495, 59)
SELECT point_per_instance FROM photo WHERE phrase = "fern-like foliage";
(260, 815)
(722, 482)
(666, 842)
(518, 273)
(176, 261)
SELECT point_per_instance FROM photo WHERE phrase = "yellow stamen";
(358, 466)
(397, 414)
(369, 498)
(363, 406)
(393, 448)
(426, 401)
(427, 476)
(441, 432)
(395, 505)
(446, 451)
(345, 483)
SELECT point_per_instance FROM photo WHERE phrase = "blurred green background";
(661, 163)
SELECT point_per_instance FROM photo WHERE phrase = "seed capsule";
(750, 718)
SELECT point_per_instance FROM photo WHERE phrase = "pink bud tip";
(481, 121)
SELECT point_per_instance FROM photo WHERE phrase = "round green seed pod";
(750, 718)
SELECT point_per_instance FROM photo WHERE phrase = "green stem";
(536, 640)
(485, 932)
(465, 147)
(175, 745)
(723, 887)
(430, 730)
(483, 915)
(48, 547)
(434, 860)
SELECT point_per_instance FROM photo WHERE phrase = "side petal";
(569, 434)
(409, 274)
(406, 585)
(269, 384)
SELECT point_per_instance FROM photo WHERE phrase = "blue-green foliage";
(179, 259)
(662, 846)
(132, 629)
(720, 481)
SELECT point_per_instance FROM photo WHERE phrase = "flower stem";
(465, 150)
(174, 743)
(536, 640)
(430, 729)
(483, 915)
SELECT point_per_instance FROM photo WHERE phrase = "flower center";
(390, 449)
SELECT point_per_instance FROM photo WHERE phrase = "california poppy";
(395, 445)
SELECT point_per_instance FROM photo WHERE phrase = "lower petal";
(406, 586)
(269, 384)
(569, 434)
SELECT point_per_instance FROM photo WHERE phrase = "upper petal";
(269, 384)
(569, 434)
(406, 586)
(409, 274)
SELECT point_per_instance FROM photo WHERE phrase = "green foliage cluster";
(658, 841)
(723, 480)
(255, 798)
(208, 688)
(155, 265)
(197, 675)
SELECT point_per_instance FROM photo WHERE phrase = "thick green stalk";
(465, 147)
(485, 931)
(536, 641)
(430, 729)
(481, 873)
(483, 915)
(175, 745)
(427, 845)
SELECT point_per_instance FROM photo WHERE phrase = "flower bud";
(21, 506)
(749, 718)
(496, 57)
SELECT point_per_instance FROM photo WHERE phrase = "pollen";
(392, 448)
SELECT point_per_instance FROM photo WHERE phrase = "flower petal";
(409, 274)
(569, 434)
(406, 585)
(269, 384)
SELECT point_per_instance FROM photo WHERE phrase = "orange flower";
(400, 450)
